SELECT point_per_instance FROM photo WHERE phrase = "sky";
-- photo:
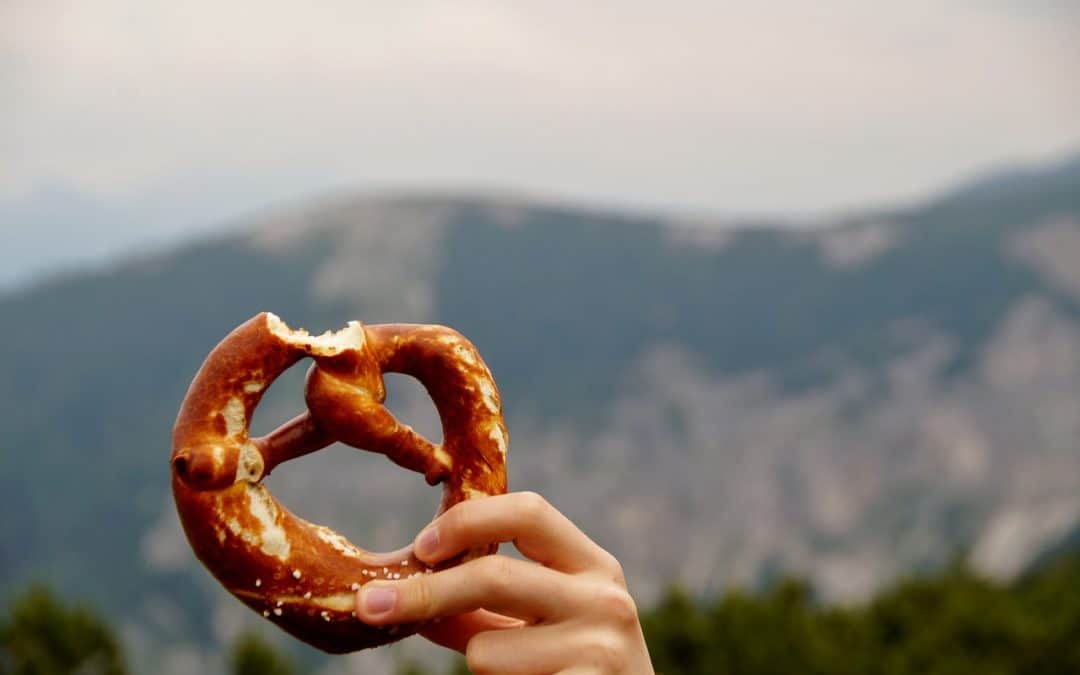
(180, 116)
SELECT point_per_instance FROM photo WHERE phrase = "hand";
(571, 613)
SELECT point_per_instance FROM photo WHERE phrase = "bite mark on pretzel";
(329, 343)
(300, 575)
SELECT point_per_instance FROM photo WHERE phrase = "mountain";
(716, 405)
(57, 229)
(55, 223)
(1003, 183)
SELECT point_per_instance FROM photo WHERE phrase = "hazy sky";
(723, 106)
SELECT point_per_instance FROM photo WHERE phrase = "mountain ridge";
(95, 231)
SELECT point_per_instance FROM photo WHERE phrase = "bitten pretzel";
(302, 576)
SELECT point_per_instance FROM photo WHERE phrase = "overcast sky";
(774, 107)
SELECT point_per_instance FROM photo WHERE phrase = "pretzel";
(299, 575)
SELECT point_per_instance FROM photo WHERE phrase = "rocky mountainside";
(715, 404)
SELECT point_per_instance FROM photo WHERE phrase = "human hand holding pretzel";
(566, 610)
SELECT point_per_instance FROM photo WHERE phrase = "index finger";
(513, 588)
(535, 527)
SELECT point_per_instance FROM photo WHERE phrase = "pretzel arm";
(362, 421)
(460, 385)
(402, 445)
(299, 436)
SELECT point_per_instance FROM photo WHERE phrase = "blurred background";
(783, 300)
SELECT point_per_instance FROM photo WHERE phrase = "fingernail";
(378, 600)
(428, 542)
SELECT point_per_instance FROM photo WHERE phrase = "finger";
(537, 529)
(504, 585)
(554, 647)
(454, 632)
(533, 650)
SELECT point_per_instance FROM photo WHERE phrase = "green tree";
(42, 636)
(950, 623)
(252, 655)
(412, 668)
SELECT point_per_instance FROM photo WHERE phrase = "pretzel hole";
(281, 402)
(376, 504)
(410, 403)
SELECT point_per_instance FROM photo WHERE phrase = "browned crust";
(299, 575)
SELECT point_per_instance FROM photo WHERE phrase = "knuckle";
(498, 574)
(532, 506)
(617, 606)
(422, 600)
(479, 656)
(607, 650)
(613, 567)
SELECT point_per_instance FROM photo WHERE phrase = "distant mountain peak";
(1008, 181)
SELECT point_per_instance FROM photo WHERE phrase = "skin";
(565, 610)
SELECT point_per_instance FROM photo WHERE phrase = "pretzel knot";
(300, 575)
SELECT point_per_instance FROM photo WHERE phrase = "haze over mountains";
(59, 228)
(716, 406)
